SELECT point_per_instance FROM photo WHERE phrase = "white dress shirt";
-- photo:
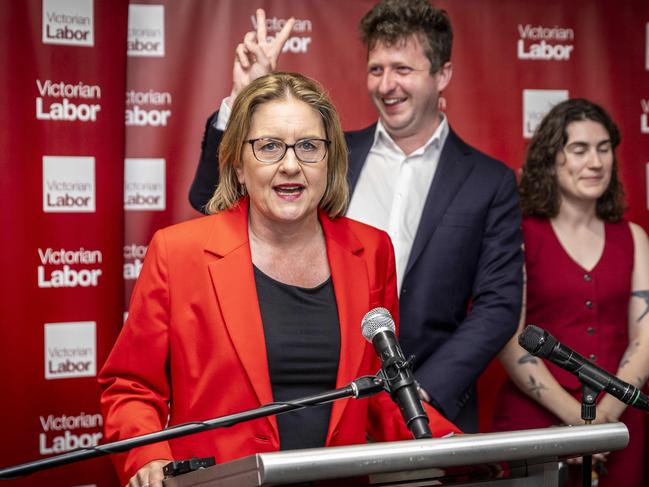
(224, 114)
(392, 189)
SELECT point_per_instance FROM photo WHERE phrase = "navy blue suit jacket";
(460, 299)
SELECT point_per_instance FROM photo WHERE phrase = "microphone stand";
(589, 393)
(360, 388)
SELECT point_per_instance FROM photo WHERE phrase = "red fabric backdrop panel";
(101, 128)
(62, 141)
(512, 61)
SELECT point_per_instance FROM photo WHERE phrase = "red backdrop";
(62, 139)
(173, 59)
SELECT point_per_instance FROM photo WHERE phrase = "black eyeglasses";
(270, 151)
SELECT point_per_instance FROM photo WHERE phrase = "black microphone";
(540, 343)
(378, 328)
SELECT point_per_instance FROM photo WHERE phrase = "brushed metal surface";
(357, 460)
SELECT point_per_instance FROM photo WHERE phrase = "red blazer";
(193, 346)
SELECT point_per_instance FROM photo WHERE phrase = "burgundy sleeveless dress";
(588, 311)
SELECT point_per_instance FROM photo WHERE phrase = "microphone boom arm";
(359, 388)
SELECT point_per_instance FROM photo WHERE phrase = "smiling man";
(451, 212)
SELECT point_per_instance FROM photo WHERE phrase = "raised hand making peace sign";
(257, 55)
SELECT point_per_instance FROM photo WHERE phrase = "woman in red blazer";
(196, 344)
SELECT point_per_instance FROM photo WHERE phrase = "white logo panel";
(536, 104)
(68, 22)
(70, 350)
(146, 31)
(144, 184)
(68, 184)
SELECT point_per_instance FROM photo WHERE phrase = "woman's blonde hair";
(272, 87)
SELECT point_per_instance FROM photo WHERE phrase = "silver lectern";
(515, 459)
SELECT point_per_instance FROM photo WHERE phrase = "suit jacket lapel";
(359, 144)
(350, 281)
(452, 171)
(234, 284)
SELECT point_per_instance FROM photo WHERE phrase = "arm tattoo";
(535, 387)
(644, 295)
(528, 358)
(630, 350)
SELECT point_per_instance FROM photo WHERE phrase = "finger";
(156, 475)
(240, 55)
(261, 25)
(282, 37)
(136, 480)
(250, 36)
(143, 478)
(256, 54)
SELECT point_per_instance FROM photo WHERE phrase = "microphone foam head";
(537, 341)
(376, 320)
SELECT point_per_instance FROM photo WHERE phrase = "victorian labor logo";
(146, 31)
(68, 184)
(68, 22)
(536, 104)
(70, 350)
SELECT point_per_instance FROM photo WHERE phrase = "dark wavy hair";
(538, 188)
(392, 21)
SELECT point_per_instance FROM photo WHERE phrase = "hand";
(150, 475)
(609, 410)
(603, 417)
(597, 458)
(575, 419)
(256, 56)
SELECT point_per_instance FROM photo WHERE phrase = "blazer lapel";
(234, 284)
(350, 281)
(451, 173)
(359, 144)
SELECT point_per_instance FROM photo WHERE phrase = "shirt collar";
(382, 138)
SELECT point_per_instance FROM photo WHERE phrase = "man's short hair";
(393, 21)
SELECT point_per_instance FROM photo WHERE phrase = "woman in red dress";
(587, 282)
